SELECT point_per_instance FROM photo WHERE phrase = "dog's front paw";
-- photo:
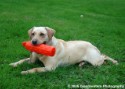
(115, 62)
(13, 64)
(24, 72)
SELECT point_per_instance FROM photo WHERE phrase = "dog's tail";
(105, 57)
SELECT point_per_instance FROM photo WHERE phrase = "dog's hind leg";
(81, 64)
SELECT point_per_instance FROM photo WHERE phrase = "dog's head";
(41, 35)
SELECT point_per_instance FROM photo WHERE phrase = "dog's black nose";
(34, 42)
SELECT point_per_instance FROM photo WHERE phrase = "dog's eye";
(32, 34)
(41, 34)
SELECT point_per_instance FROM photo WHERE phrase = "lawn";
(102, 24)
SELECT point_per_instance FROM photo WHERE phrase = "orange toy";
(40, 49)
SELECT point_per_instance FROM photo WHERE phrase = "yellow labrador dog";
(69, 52)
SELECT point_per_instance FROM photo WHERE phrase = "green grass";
(103, 24)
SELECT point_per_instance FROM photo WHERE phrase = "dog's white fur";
(67, 53)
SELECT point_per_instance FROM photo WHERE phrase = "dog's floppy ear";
(30, 32)
(50, 32)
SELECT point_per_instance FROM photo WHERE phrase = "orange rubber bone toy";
(40, 49)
